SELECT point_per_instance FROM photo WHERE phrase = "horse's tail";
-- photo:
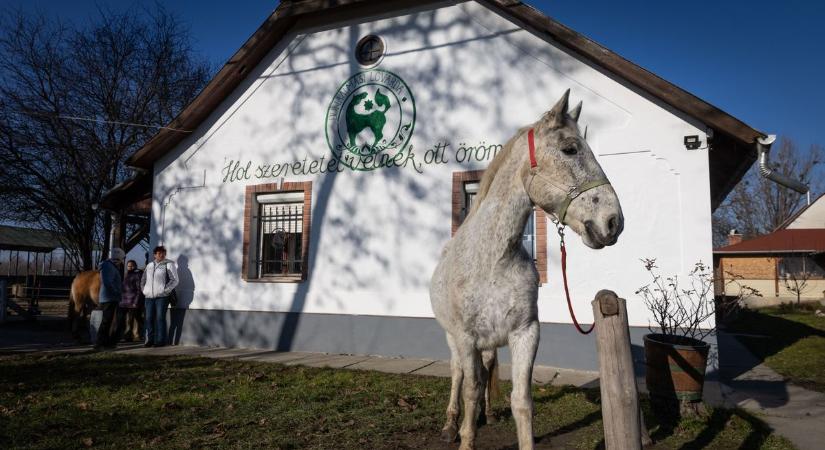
(72, 314)
(493, 385)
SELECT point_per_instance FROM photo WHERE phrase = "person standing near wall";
(111, 283)
(130, 310)
(159, 280)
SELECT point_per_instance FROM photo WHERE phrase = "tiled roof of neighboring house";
(734, 147)
(798, 240)
(27, 239)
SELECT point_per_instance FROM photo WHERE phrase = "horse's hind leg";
(490, 382)
(75, 319)
(450, 430)
(523, 345)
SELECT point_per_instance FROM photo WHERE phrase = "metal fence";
(32, 296)
(22, 263)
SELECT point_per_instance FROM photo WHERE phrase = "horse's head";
(565, 179)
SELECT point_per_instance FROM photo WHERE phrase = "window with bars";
(528, 238)
(280, 234)
(276, 232)
(534, 238)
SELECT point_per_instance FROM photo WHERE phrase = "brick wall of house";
(750, 267)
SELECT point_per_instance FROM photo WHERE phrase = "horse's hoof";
(491, 419)
(449, 433)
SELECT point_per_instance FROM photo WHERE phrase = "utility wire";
(87, 119)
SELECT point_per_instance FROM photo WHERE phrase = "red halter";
(531, 143)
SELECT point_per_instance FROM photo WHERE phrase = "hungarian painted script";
(440, 153)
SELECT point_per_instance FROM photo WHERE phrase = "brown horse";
(83, 299)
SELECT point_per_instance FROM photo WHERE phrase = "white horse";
(484, 290)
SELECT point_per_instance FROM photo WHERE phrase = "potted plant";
(676, 354)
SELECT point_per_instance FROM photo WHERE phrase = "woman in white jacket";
(159, 280)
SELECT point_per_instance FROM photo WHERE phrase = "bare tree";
(796, 271)
(74, 103)
(757, 206)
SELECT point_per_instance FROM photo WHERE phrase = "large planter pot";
(675, 367)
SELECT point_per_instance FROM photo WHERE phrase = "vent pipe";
(763, 145)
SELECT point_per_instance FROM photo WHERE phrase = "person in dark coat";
(111, 291)
(130, 310)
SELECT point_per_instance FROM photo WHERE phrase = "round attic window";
(369, 50)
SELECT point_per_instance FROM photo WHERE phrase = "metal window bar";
(280, 228)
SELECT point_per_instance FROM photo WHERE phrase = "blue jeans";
(156, 320)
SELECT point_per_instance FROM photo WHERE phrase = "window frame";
(539, 216)
(251, 226)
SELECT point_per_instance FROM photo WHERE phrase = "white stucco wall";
(812, 217)
(376, 235)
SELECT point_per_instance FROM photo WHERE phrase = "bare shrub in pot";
(680, 313)
(675, 352)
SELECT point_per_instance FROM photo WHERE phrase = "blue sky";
(761, 61)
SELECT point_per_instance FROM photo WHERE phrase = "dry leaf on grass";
(406, 404)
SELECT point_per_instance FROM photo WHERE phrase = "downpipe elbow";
(763, 145)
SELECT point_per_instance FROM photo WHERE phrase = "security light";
(692, 142)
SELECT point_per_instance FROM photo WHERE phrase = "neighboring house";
(779, 265)
(325, 166)
(811, 216)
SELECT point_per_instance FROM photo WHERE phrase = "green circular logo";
(370, 120)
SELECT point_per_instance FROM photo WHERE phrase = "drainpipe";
(763, 145)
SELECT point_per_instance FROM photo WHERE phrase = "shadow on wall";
(185, 292)
(209, 227)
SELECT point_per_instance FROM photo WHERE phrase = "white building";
(288, 239)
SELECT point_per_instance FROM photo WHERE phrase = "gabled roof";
(799, 240)
(796, 215)
(733, 142)
(128, 192)
(27, 239)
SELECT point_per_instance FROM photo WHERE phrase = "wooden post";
(620, 399)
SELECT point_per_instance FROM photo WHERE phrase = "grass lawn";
(794, 346)
(111, 400)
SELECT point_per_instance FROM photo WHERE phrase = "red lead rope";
(567, 291)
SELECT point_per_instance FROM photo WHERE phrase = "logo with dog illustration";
(370, 120)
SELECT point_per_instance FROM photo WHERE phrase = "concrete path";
(426, 367)
(793, 412)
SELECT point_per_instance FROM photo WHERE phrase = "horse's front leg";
(450, 430)
(472, 389)
(523, 345)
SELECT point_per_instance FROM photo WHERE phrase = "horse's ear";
(576, 112)
(556, 115)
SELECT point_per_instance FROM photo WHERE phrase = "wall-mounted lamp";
(692, 142)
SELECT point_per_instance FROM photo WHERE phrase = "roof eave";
(764, 252)
(288, 13)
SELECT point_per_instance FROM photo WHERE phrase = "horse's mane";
(492, 169)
